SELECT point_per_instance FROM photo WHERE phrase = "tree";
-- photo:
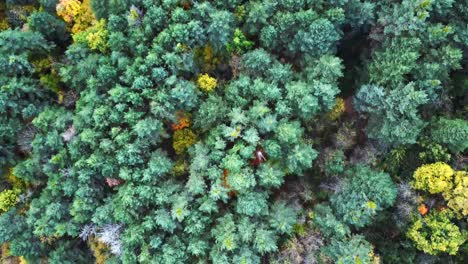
(95, 37)
(326, 221)
(456, 197)
(362, 195)
(434, 178)
(21, 97)
(8, 199)
(77, 14)
(179, 131)
(451, 132)
(354, 249)
(206, 83)
(52, 28)
(435, 234)
(393, 116)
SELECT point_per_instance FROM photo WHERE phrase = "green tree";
(326, 221)
(21, 96)
(392, 116)
(362, 195)
(451, 132)
(354, 249)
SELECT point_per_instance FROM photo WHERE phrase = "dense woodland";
(234, 131)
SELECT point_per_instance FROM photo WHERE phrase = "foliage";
(393, 116)
(240, 44)
(435, 234)
(77, 14)
(95, 37)
(354, 249)
(21, 96)
(206, 83)
(451, 132)
(328, 224)
(362, 195)
(182, 131)
(456, 197)
(8, 199)
(52, 28)
(337, 110)
(334, 162)
(432, 152)
(183, 139)
(434, 178)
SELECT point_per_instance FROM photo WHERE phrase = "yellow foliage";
(50, 81)
(85, 20)
(78, 14)
(8, 199)
(5, 250)
(183, 139)
(42, 64)
(15, 182)
(180, 167)
(95, 37)
(436, 233)
(60, 97)
(134, 14)
(337, 110)
(68, 9)
(4, 24)
(207, 58)
(434, 178)
(457, 198)
(206, 83)
(100, 251)
(371, 205)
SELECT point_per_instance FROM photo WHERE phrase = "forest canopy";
(233, 131)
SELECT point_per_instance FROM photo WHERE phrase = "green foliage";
(93, 124)
(239, 44)
(51, 27)
(432, 152)
(49, 5)
(296, 31)
(354, 249)
(435, 234)
(362, 195)
(328, 224)
(334, 162)
(21, 96)
(10, 230)
(451, 132)
(393, 116)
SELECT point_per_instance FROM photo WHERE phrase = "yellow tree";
(78, 14)
(434, 178)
